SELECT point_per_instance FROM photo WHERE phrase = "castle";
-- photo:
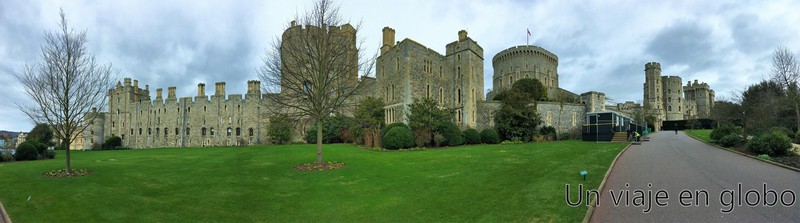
(405, 70)
(667, 100)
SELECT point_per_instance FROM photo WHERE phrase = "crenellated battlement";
(652, 65)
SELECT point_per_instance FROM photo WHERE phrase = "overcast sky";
(601, 45)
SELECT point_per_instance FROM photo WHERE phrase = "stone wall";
(521, 62)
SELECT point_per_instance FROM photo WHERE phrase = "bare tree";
(66, 85)
(786, 71)
(312, 71)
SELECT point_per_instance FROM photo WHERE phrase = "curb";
(4, 215)
(748, 155)
(590, 211)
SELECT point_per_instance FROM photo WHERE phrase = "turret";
(171, 93)
(220, 89)
(158, 94)
(201, 89)
(462, 35)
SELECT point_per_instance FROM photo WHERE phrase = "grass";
(496, 183)
(702, 134)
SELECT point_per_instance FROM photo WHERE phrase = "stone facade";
(221, 120)
(667, 100)
(408, 70)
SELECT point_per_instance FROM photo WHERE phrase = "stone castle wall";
(666, 99)
(521, 62)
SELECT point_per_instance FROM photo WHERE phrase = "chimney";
(171, 93)
(462, 35)
(201, 89)
(220, 89)
(94, 110)
(294, 23)
(147, 87)
(127, 82)
(158, 94)
(388, 39)
(136, 83)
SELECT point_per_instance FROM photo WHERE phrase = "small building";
(602, 126)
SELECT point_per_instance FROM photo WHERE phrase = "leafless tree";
(786, 71)
(312, 71)
(65, 85)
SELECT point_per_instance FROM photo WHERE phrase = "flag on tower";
(529, 32)
(528, 38)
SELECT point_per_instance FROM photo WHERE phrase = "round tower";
(526, 61)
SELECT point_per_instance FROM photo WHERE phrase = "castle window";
(441, 96)
(203, 131)
(679, 108)
(166, 131)
(149, 131)
(459, 96)
(458, 57)
(250, 131)
(140, 131)
(176, 131)
(440, 72)
(226, 107)
(187, 131)
(574, 119)
(458, 73)
(189, 109)
(212, 131)
(669, 108)
(131, 131)
(204, 108)
(112, 123)
(428, 91)
(238, 131)
(123, 136)
(229, 131)
(238, 107)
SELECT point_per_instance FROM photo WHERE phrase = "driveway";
(731, 185)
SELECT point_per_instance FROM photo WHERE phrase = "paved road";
(676, 162)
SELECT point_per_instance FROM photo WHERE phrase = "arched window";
(203, 131)
(238, 131)
(250, 131)
(669, 108)
(212, 131)
(229, 131)
(140, 131)
(177, 132)
(187, 131)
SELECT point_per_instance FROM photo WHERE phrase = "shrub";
(764, 157)
(26, 151)
(548, 132)
(422, 136)
(773, 143)
(452, 135)
(386, 129)
(334, 130)
(489, 136)
(438, 139)
(784, 130)
(471, 136)
(280, 129)
(112, 142)
(724, 130)
(730, 140)
(797, 136)
(7, 157)
(40, 148)
(565, 136)
(50, 154)
(398, 137)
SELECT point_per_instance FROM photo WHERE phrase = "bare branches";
(313, 69)
(785, 67)
(66, 84)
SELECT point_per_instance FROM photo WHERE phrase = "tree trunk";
(66, 148)
(319, 142)
(797, 113)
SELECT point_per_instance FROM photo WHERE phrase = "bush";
(452, 135)
(335, 129)
(724, 130)
(50, 154)
(26, 151)
(7, 157)
(773, 143)
(386, 129)
(489, 136)
(730, 140)
(112, 142)
(471, 136)
(784, 130)
(40, 148)
(548, 132)
(422, 137)
(398, 137)
(564, 136)
(280, 129)
(797, 136)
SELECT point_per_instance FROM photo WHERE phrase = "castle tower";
(466, 57)
(673, 97)
(653, 101)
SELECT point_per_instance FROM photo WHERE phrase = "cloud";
(601, 45)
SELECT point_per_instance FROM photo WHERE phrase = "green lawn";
(702, 134)
(496, 183)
